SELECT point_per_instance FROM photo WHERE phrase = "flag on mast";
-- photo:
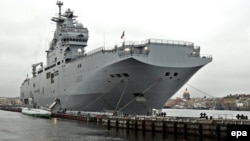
(123, 34)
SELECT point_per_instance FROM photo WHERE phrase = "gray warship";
(132, 78)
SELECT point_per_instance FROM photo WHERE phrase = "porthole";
(125, 74)
(118, 75)
(175, 74)
(167, 73)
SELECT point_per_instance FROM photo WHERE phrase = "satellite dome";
(79, 25)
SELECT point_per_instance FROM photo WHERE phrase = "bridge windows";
(74, 40)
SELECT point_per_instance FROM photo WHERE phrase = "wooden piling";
(153, 127)
(164, 129)
(117, 124)
(175, 129)
(185, 131)
(218, 132)
(127, 124)
(108, 124)
(136, 125)
(143, 126)
(200, 130)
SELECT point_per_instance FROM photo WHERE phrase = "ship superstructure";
(132, 78)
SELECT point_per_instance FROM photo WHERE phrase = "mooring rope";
(100, 96)
(148, 88)
(123, 91)
(200, 91)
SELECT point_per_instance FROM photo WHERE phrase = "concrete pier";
(186, 126)
(174, 125)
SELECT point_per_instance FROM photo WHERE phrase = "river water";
(17, 127)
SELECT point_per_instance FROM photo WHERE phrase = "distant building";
(186, 94)
(10, 101)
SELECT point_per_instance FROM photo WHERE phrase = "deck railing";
(159, 41)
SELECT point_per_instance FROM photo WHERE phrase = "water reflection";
(15, 126)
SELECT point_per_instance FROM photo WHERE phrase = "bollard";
(218, 132)
(185, 131)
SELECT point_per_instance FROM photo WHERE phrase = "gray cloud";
(221, 28)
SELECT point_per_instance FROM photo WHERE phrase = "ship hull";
(133, 84)
(146, 87)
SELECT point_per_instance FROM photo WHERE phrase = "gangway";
(54, 104)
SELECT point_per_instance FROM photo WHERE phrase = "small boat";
(36, 112)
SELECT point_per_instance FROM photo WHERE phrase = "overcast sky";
(220, 27)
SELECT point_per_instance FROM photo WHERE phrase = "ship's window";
(34, 85)
(125, 74)
(26, 101)
(175, 74)
(48, 75)
(68, 60)
(52, 78)
(58, 63)
(167, 73)
(79, 65)
(112, 75)
(118, 75)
